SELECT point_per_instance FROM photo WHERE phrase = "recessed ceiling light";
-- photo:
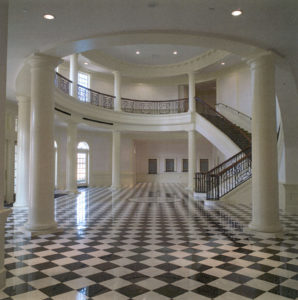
(236, 13)
(85, 63)
(48, 17)
(138, 52)
(223, 63)
(175, 52)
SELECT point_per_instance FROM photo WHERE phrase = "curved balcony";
(127, 105)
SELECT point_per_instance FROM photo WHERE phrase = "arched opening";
(82, 163)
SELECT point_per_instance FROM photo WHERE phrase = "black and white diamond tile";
(113, 248)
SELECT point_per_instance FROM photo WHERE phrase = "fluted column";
(191, 91)
(117, 90)
(71, 158)
(22, 188)
(41, 172)
(116, 160)
(73, 74)
(192, 159)
(265, 210)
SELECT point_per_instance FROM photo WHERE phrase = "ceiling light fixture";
(48, 17)
(138, 52)
(85, 63)
(236, 13)
(223, 63)
(175, 52)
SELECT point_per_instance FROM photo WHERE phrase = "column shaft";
(22, 189)
(265, 211)
(116, 160)
(41, 171)
(71, 159)
(192, 160)
(191, 92)
(3, 59)
(117, 91)
(73, 74)
(10, 170)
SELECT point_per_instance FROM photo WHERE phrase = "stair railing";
(206, 110)
(225, 177)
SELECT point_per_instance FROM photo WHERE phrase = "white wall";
(175, 149)
(234, 89)
(100, 159)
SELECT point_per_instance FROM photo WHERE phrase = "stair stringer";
(215, 136)
(240, 195)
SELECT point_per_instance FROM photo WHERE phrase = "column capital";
(116, 73)
(262, 59)
(38, 60)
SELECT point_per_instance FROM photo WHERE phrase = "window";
(152, 166)
(82, 163)
(83, 87)
(184, 165)
(170, 165)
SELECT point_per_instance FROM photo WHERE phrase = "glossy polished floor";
(149, 242)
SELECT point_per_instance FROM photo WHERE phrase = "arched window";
(56, 163)
(82, 163)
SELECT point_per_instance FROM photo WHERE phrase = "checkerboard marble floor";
(116, 248)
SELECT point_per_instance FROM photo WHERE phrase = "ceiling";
(151, 54)
(268, 24)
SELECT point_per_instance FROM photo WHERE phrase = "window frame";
(174, 165)
(156, 159)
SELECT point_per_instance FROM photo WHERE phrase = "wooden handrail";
(154, 101)
(222, 116)
(231, 108)
(58, 74)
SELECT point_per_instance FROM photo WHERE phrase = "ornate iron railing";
(93, 97)
(128, 105)
(63, 83)
(225, 177)
(154, 107)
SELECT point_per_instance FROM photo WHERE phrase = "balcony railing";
(154, 107)
(127, 105)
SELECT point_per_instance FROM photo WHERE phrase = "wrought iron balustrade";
(225, 177)
(154, 107)
(63, 83)
(127, 105)
(96, 98)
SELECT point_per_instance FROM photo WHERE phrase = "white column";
(71, 158)
(192, 159)
(191, 92)
(73, 74)
(265, 210)
(10, 170)
(41, 172)
(3, 59)
(22, 189)
(117, 90)
(116, 160)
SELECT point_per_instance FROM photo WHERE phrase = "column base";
(42, 229)
(3, 216)
(73, 192)
(199, 196)
(115, 187)
(274, 232)
(22, 206)
(2, 277)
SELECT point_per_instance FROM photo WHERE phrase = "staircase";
(234, 171)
